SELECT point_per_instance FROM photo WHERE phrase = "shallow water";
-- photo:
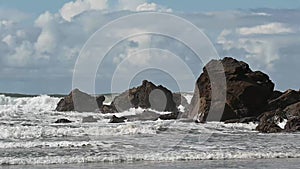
(29, 137)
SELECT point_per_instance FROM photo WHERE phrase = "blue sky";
(38, 6)
(40, 41)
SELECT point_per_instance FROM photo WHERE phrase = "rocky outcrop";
(286, 107)
(285, 99)
(145, 96)
(80, 101)
(269, 122)
(247, 92)
(293, 124)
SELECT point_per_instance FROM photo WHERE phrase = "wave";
(162, 157)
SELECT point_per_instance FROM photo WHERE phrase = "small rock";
(115, 119)
(63, 121)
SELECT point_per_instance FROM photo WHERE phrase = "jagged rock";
(115, 119)
(246, 95)
(80, 101)
(293, 110)
(63, 121)
(268, 122)
(89, 119)
(287, 98)
(293, 124)
(145, 96)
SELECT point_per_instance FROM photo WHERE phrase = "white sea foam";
(27, 128)
(171, 156)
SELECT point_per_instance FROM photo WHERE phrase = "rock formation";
(246, 95)
(80, 101)
(145, 96)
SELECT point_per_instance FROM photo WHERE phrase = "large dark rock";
(80, 101)
(145, 96)
(247, 92)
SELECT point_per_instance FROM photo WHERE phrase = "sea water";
(29, 138)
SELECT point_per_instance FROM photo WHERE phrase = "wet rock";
(80, 101)
(105, 109)
(115, 119)
(146, 96)
(63, 121)
(269, 121)
(247, 92)
(293, 124)
(171, 116)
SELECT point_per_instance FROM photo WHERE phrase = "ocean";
(29, 138)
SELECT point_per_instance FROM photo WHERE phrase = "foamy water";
(28, 135)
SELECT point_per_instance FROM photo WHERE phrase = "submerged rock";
(115, 119)
(63, 121)
(80, 101)
(247, 92)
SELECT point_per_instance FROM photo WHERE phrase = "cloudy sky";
(40, 41)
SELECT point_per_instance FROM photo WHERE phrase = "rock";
(293, 124)
(89, 119)
(180, 100)
(246, 95)
(115, 119)
(105, 109)
(63, 121)
(171, 116)
(146, 96)
(269, 121)
(287, 98)
(293, 110)
(80, 101)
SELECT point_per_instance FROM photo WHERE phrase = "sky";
(41, 41)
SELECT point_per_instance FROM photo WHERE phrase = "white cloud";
(152, 7)
(269, 29)
(130, 5)
(71, 9)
